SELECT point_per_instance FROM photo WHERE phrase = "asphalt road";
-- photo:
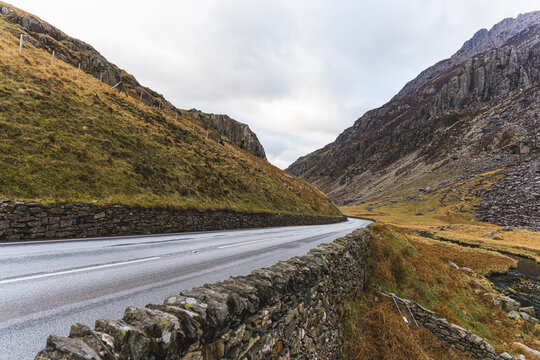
(45, 286)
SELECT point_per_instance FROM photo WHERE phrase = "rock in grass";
(528, 310)
(529, 318)
(527, 349)
(513, 315)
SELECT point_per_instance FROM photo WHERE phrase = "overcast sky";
(298, 72)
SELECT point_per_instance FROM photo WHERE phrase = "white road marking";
(76, 270)
(244, 243)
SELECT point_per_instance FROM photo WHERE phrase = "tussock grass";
(64, 139)
(417, 268)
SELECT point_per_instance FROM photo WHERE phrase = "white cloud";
(298, 72)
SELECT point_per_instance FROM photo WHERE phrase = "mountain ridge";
(483, 40)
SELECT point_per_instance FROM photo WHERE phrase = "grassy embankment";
(407, 259)
(64, 139)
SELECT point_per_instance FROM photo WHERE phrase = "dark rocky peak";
(482, 41)
(236, 132)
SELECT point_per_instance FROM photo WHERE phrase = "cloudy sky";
(298, 72)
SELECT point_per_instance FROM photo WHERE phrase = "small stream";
(521, 284)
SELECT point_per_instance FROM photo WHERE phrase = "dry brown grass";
(378, 332)
(417, 268)
(451, 217)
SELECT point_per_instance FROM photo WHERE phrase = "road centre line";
(77, 270)
(243, 243)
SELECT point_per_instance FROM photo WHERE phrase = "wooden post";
(78, 70)
(208, 132)
(52, 58)
(20, 44)
(100, 78)
(115, 85)
(160, 105)
(140, 97)
(176, 116)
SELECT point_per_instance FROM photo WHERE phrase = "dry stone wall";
(457, 337)
(19, 220)
(292, 310)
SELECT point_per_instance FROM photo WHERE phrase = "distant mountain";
(67, 138)
(475, 112)
(73, 51)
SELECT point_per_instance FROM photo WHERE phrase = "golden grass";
(417, 268)
(384, 335)
(448, 214)
(64, 139)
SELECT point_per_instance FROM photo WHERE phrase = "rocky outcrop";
(292, 310)
(45, 36)
(482, 41)
(19, 220)
(514, 200)
(236, 132)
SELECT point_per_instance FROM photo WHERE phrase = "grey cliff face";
(238, 133)
(482, 41)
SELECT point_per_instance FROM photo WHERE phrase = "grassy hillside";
(69, 139)
(448, 214)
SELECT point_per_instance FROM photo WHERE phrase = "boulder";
(68, 349)
(527, 349)
(513, 315)
(528, 310)
(509, 304)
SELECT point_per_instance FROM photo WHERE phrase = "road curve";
(45, 286)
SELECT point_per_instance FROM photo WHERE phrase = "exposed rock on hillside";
(459, 121)
(515, 199)
(45, 36)
(482, 41)
(238, 133)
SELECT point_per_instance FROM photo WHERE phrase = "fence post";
(140, 96)
(116, 85)
(52, 58)
(100, 78)
(78, 70)
(20, 44)
(176, 116)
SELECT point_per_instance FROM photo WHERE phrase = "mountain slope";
(42, 35)
(479, 113)
(65, 138)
